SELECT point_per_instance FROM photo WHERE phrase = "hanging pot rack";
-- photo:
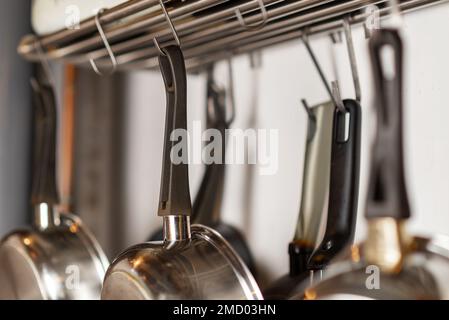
(209, 30)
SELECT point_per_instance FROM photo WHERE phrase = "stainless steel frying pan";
(315, 190)
(390, 264)
(207, 206)
(190, 263)
(58, 258)
(340, 152)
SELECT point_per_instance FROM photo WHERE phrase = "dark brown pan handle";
(44, 188)
(344, 185)
(208, 201)
(387, 194)
(175, 191)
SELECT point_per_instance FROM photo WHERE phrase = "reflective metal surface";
(206, 267)
(423, 276)
(63, 262)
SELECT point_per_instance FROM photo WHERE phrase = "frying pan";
(208, 201)
(390, 264)
(331, 168)
(58, 258)
(191, 262)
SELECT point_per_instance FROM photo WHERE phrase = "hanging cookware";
(313, 199)
(190, 263)
(390, 264)
(344, 186)
(208, 202)
(58, 258)
(331, 175)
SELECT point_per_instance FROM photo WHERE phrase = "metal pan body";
(60, 263)
(202, 268)
(424, 276)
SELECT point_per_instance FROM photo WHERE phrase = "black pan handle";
(344, 185)
(387, 195)
(208, 200)
(175, 191)
(44, 187)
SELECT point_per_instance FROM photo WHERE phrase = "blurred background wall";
(15, 116)
(119, 129)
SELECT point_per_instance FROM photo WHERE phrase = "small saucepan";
(207, 206)
(191, 262)
(58, 258)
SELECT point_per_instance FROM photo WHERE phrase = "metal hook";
(255, 59)
(352, 59)
(256, 26)
(307, 108)
(106, 45)
(172, 27)
(336, 100)
(396, 16)
(231, 92)
(44, 62)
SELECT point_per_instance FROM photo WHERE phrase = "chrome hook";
(44, 62)
(352, 59)
(336, 100)
(106, 45)
(172, 27)
(256, 26)
(396, 16)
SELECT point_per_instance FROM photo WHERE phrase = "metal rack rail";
(209, 30)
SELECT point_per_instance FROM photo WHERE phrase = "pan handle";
(208, 201)
(344, 185)
(387, 195)
(44, 188)
(175, 192)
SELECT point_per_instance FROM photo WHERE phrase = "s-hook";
(172, 27)
(106, 45)
(44, 62)
(256, 26)
(334, 93)
(352, 59)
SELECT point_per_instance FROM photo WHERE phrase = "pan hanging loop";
(257, 26)
(106, 45)
(334, 93)
(172, 27)
(352, 59)
(43, 60)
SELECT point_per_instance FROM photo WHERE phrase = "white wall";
(269, 213)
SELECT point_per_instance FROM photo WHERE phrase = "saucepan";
(391, 263)
(208, 201)
(192, 262)
(58, 258)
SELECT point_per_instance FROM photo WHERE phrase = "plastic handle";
(175, 191)
(208, 201)
(344, 185)
(44, 188)
(387, 195)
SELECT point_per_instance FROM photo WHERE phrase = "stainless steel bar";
(148, 22)
(196, 63)
(156, 21)
(197, 45)
(230, 27)
(88, 26)
(269, 39)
